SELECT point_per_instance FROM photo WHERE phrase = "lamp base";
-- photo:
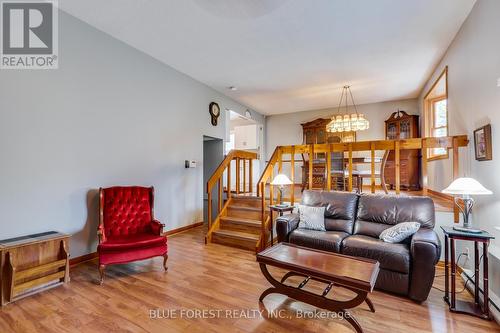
(471, 230)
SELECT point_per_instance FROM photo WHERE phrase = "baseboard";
(182, 229)
(493, 298)
(93, 255)
(80, 259)
(440, 264)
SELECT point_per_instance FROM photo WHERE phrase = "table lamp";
(281, 180)
(465, 187)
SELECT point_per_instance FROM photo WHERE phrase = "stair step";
(251, 226)
(237, 239)
(246, 201)
(244, 212)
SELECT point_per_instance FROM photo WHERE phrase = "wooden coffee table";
(356, 274)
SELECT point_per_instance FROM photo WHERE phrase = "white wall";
(285, 129)
(110, 115)
(473, 61)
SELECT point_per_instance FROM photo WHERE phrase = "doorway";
(213, 154)
(244, 134)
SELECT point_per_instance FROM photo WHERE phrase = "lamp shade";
(466, 186)
(281, 179)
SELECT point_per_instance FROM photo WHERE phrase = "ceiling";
(288, 55)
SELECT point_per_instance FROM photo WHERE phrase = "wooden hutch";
(399, 126)
(314, 132)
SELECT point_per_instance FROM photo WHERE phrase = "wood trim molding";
(182, 229)
(440, 195)
(440, 264)
(86, 257)
(90, 256)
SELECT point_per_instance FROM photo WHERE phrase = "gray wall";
(110, 115)
(474, 100)
(285, 129)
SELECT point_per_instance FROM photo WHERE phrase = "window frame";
(429, 115)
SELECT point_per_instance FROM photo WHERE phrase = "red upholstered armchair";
(127, 228)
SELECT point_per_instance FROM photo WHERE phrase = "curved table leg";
(316, 300)
(370, 304)
(266, 292)
(351, 320)
(290, 274)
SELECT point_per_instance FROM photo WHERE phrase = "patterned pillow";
(399, 232)
(312, 217)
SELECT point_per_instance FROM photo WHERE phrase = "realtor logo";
(29, 35)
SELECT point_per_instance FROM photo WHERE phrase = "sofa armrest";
(425, 251)
(157, 227)
(285, 225)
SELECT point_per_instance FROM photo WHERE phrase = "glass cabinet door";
(309, 137)
(320, 136)
(392, 131)
(405, 129)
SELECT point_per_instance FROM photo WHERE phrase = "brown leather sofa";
(353, 224)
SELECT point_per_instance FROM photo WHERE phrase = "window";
(436, 114)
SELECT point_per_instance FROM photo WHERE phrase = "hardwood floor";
(209, 277)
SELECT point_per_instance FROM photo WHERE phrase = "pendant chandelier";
(345, 122)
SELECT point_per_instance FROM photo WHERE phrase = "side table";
(475, 309)
(280, 210)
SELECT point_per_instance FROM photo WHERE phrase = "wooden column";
(350, 168)
(263, 213)
(238, 175)
(280, 168)
(397, 162)
(292, 175)
(250, 175)
(372, 176)
(229, 181)
(221, 185)
(311, 158)
(244, 175)
(456, 217)
(425, 179)
(209, 209)
(271, 188)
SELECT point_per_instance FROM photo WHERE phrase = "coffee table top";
(354, 272)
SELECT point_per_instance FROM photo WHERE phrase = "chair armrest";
(157, 227)
(285, 225)
(425, 250)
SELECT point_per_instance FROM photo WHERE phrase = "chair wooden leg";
(101, 273)
(165, 257)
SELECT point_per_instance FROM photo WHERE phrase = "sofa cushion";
(399, 232)
(321, 240)
(131, 242)
(312, 217)
(340, 211)
(393, 257)
(391, 209)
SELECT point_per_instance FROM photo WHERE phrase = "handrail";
(424, 144)
(243, 154)
(268, 169)
(216, 178)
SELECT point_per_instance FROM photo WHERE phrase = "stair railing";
(452, 143)
(243, 165)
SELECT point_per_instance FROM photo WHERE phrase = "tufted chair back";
(126, 210)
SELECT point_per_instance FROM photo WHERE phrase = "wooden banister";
(217, 178)
(277, 159)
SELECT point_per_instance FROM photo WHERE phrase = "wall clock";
(214, 110)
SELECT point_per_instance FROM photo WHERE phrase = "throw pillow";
(399, 232)
(312, 217)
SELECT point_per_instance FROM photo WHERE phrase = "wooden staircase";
(240, 224)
